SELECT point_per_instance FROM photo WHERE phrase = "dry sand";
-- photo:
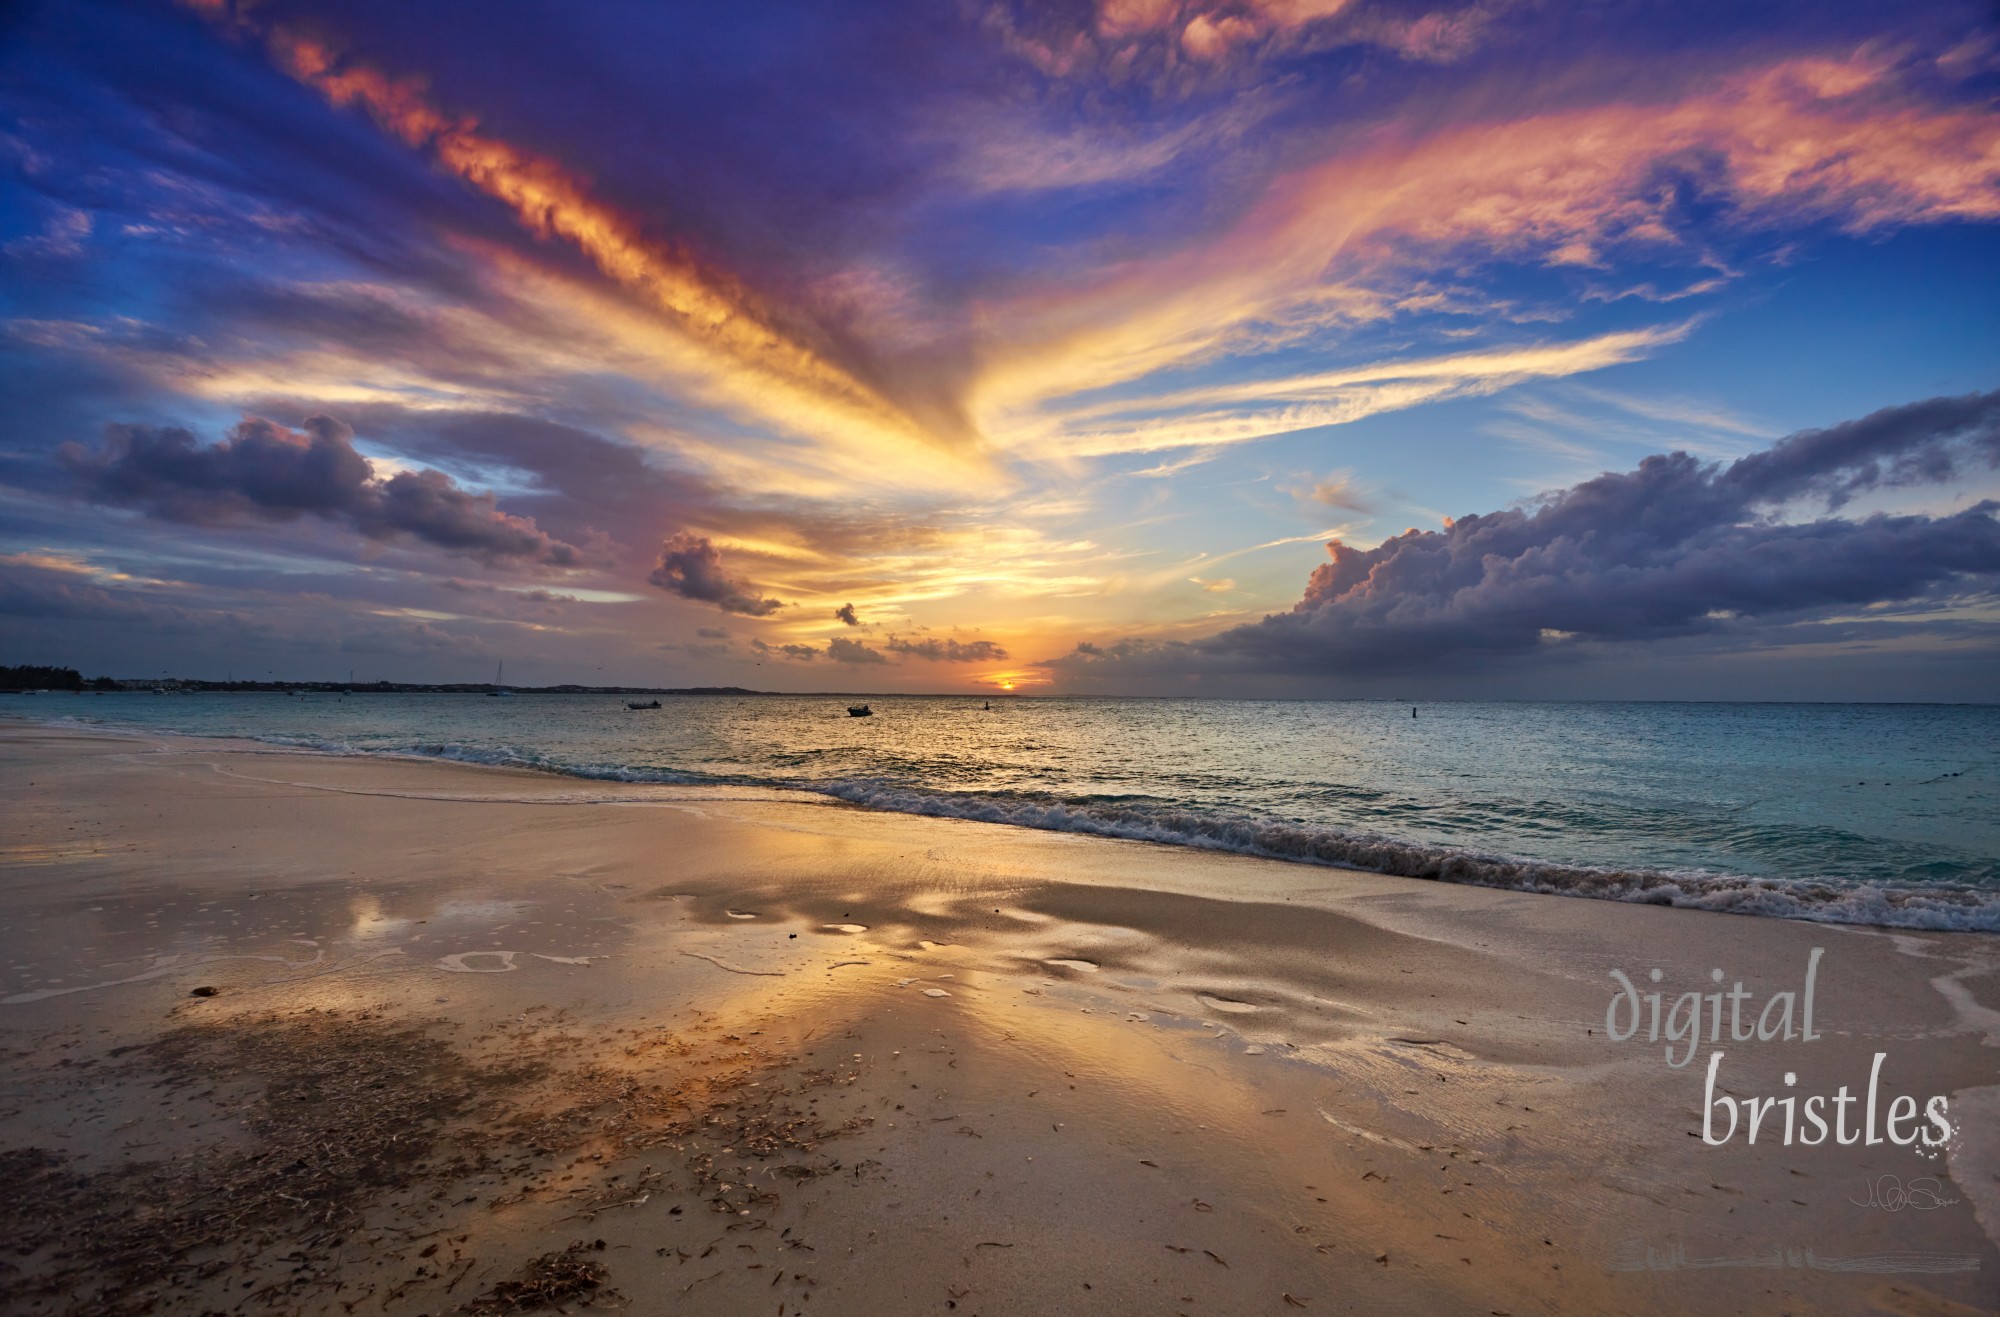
(485, 1041)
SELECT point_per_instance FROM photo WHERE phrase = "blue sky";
(1110, 347)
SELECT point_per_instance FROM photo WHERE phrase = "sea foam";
(1933, 906)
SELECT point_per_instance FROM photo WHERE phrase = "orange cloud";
(1213, 415)
(554, 204)
(1208, 32)
(1801, 141)
(741, 335)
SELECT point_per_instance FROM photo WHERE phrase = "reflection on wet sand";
(782, 1052)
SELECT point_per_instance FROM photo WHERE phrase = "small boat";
(860, 711)
(633, 704)
(500, 676)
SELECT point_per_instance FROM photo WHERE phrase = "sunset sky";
(1616, 349)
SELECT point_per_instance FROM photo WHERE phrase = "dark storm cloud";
(265, 472)
(1930, 442)
(691, 567)
(947, 651)
(846, 614)
(1675, 548)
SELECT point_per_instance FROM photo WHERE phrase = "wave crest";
(1932, 907)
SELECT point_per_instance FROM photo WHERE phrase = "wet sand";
(481, 1038)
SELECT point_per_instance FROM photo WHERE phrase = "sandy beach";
(298, 1033)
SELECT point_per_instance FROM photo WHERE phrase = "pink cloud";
(1801, 141)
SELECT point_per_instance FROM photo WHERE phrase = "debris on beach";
(317, 1131)
(551, 1280)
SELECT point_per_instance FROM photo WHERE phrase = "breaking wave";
(1932, 906)
(488, 756)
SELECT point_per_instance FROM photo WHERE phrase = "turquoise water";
(1884, 814)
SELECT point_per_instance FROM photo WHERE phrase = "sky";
(1286, 348)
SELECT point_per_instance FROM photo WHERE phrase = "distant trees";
(32, 677)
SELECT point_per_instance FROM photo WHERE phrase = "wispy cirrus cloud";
(759, 356)
(1851, 142)
(1217, 414)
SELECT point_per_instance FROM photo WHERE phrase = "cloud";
(1857, 144)
(62, 235)
(1217, 414)
(713, 632)
(1338, 491)
(838, 650)
(846, 614)
(1674, 548)
(37, 589)
(794, 652)
(761, 355)
(265, 472)
(691, 567)
(430, 506)
(1012, 156)
(842, 650)
(947, 650)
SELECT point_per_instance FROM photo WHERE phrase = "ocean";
(1883, 814)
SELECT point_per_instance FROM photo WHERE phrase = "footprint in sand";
(457, 963)
(1082, 966)
(741, 914)
(1227, 1005)
(845, 928)
(936, 992)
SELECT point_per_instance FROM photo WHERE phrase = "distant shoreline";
(182, 687)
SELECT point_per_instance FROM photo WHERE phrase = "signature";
(1889, 1193)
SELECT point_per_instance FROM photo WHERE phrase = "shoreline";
(1331, 1060)
(1924, 907)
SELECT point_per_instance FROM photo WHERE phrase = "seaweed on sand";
(335, 1114)
(551, 1280)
